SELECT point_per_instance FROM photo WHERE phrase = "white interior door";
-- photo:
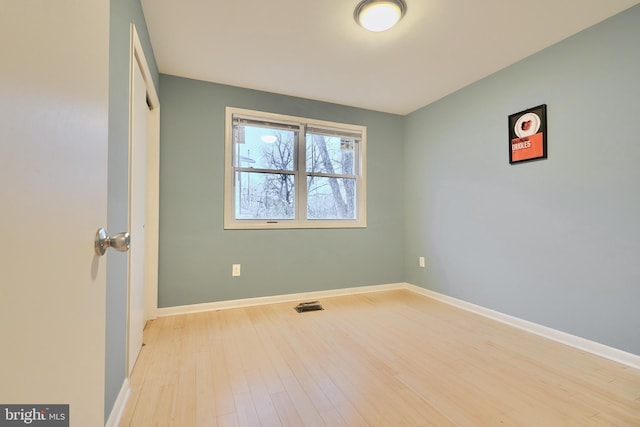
(137, 211)
(53, 197)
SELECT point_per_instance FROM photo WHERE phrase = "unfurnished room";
(334, 213)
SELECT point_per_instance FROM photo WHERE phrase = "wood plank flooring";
(381, 359)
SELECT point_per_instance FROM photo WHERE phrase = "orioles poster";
(528, 135)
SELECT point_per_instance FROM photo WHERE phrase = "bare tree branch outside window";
(269, 157)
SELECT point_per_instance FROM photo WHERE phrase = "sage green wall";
(122, 13)
(196, 254)
(555, 242)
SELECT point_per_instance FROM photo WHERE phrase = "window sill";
(290, 224)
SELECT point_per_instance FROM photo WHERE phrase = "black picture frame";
(528, 135)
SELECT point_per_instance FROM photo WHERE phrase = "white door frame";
(137, 58)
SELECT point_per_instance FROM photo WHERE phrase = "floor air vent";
(308, 306)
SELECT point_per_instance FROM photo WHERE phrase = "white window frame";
(300, 220)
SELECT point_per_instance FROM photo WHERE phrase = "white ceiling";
(314, 48)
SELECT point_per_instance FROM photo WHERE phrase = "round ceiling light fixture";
(379, 15)
(269, 139)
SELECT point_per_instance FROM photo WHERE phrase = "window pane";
(291, 172)
(264, 148)
(331, 198)
(330, 154)
(264, 195)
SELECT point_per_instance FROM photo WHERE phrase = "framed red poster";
(528, 135)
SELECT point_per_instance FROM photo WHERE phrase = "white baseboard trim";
(248, 302)
(583, 344)
(119, 405)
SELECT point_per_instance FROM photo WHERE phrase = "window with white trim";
(292, 172)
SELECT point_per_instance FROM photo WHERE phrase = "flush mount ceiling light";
(379, 15)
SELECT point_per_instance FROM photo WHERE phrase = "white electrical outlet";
(235, 270)
(421, 262)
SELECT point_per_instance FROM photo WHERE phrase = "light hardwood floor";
(381, 359)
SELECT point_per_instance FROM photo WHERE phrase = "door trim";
(137, 58)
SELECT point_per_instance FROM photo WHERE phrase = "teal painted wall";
(196, 254)
(122, 13)
(555, 242)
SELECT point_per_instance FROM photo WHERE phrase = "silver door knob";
(119, 242)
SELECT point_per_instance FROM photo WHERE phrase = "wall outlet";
(421, 262)
(235, 270)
